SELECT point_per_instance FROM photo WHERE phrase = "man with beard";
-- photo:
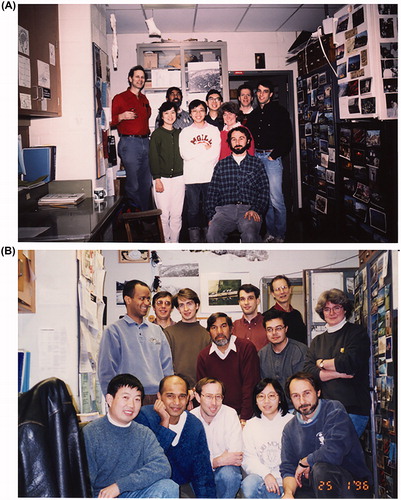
(320, 450)
(231, 360)
(174, 94)
(238, 193)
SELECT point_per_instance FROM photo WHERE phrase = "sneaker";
(278, 239)
(269, 238)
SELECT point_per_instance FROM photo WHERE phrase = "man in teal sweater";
(125, 460)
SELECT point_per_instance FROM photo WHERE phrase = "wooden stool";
(132, 223)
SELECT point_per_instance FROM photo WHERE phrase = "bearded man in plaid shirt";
(238, 194)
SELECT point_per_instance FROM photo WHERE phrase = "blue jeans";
(229, 218)
(360, 422)
(253, 486)
(228, 481)
(164, 488)
(134, 152)
(195, 197)
(276, 215)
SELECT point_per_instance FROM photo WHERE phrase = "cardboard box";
(150, 60)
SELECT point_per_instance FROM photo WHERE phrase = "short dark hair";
(244, 86)
(125, 380)
(166, 106)
(212, 92)
(266, 83)
(249, 288)
(231, 107)
(171, 89)
(211, 320)
(279, 277)
(282, 405)
(132, 71)
(242, 129)
(129, 287)
(163, 380)
(160, 295)
(335, 296)
(207, 380)
(302, 376)
(195, 103)
(274, 314)
(185, 293)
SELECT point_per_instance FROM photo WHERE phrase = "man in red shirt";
(130, 112)
(250, 326)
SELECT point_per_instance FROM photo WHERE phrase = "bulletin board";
(101, 76)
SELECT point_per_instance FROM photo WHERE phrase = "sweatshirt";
(199, 161)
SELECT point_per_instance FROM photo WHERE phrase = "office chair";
(144, 226)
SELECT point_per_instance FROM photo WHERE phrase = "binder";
(40, 162)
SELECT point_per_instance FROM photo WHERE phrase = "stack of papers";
(61, 199)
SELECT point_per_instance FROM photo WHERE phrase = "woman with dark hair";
(167, 171)
(262, 441)
(339, 357)
(232, 117)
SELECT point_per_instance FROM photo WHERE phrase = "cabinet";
(39, 83)
(194, 67)
(26, 281)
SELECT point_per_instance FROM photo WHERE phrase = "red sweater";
(239, 372)
(128, 101)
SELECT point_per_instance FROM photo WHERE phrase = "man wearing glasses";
(282, 356)
(214, 101)
(162, 303)
(281, 290)
(223, 434)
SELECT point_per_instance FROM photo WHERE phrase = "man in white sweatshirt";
(200, 150)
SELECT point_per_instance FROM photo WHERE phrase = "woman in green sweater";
(166, 167)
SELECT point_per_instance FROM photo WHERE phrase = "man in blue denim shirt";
(271, 129)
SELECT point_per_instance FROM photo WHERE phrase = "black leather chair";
(51, 454)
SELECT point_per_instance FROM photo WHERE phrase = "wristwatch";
(302, 465)
(321, 364)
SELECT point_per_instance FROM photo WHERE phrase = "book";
(61, 199)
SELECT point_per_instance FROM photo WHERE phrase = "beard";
(239, 150)
(307, 410)
(222, 341)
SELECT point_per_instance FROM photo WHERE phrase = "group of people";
(243, 405)
(222, 159)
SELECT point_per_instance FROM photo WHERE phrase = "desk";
(88, 221)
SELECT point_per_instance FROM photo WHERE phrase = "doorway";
(283, 93)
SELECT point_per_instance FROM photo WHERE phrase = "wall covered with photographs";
(374, 309)
(366, 34)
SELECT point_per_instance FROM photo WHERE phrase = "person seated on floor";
(223, 434)
(238, 194)
(124, 458)
(262, 441)
(181, 435)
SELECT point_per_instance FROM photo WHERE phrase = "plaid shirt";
(246, 183)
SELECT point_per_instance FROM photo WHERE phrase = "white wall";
(56, 318)
(289, 262)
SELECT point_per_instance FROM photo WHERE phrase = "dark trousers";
(195, 200)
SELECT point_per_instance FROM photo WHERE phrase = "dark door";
(284, 94)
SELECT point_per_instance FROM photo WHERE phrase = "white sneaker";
(269, 238)
(278, 239)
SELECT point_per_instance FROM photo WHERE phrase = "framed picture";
(133, 256)
(260, 62)
(219, 291)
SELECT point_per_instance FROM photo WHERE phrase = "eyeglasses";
(210, 397)
(277, 329)
(163, 302)
(214, 99)
(283, 288)
(272, 396)
(335, 309)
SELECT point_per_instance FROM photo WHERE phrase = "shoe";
(269, 238)
(278, 239)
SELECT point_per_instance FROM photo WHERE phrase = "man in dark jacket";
(271, 130)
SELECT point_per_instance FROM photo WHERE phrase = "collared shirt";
(128, 101)
(223, 433)
(246, 183)
(224, 354)
(271, 129)
(251, 330)
(141, 349)
(178, 427)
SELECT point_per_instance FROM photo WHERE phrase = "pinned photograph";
(368, 105)
(373, 138)
(378, 220)
(342, 24)
(365, 85)
(321, 204)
